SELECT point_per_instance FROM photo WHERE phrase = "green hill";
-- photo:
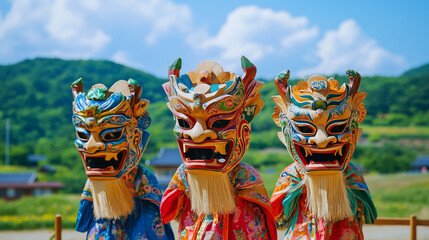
(35, 95)
(422, 70)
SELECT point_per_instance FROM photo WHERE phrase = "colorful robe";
(289, 198)
(143, 223)
(252, 220)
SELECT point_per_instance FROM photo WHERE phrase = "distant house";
(421, 164)
(16, 185)
(165, 165)
(33, 159)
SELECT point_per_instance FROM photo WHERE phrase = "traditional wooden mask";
(110, 127)
(213, 111)
(319, 121)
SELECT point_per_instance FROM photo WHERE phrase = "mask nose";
(321, 139)
(199, 133)
(93, 145)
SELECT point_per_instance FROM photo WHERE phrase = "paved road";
(370, 232)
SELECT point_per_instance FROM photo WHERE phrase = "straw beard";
(112, 198)
(327, 196)
(211, 194)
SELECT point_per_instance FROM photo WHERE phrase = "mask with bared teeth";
(213, 111)
(319, 120)
(110, 127)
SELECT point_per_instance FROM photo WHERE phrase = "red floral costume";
(289, 199)
(252, 220)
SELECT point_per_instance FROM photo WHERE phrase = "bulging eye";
(112, 136)
(82, 136)
(221, 123)
(337, 128)
(183, 123)
(305, 129)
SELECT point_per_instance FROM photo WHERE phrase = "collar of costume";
(110, 127)
(213, 111)
(244, 178)
(142, 182)
(289, 188)
(319, 120)
(145, 188)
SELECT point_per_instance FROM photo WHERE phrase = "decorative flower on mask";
(110, 126)
(213, 111)
(319, 121)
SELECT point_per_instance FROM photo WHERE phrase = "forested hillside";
(35, 95)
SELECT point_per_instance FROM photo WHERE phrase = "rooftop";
(167, 157)
(421, 161)
(24, 177)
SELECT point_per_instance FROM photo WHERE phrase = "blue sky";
(307, 37)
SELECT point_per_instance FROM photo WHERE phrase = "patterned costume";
(319, 124)
(288, 202)
(121, 198)
(252, 220)
(143, 223)
(212, 194)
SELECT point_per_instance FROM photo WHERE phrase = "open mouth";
(102, 163)
(314, 158)
(210, 155)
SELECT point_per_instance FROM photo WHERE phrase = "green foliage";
(388, 158)
(422, 70)
(265, 139)
(268, 158)
(400, 195)
(36, 97)
(38, 212)
(73, 177)
(395, 132)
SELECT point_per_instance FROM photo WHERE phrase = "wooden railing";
(413, 222)
(58, 227)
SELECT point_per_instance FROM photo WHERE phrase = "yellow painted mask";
(110, 127)
(213, 111)
(319, 120)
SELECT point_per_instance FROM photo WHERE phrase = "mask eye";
(337, 128)
(305, 129)
(221, 123)
(112, 136)
(183, 123)
(82, 136)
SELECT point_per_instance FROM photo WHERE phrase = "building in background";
(16, 185)
(421, 164)
(165, 165)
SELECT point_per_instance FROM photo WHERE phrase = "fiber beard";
(112, 198)
(327, 196)
(211, 194)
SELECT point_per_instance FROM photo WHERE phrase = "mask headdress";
(319, 119)
(110, 126)
(213, 109)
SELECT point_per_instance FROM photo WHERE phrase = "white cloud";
(84, 28)
(255, 32)
(122, 57)
(51, 27)
(349, 47)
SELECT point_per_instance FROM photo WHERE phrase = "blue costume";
(145, 221)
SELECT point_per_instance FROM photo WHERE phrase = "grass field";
(395, 195)
(38, 212)
(396, 132)
(400, 195)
